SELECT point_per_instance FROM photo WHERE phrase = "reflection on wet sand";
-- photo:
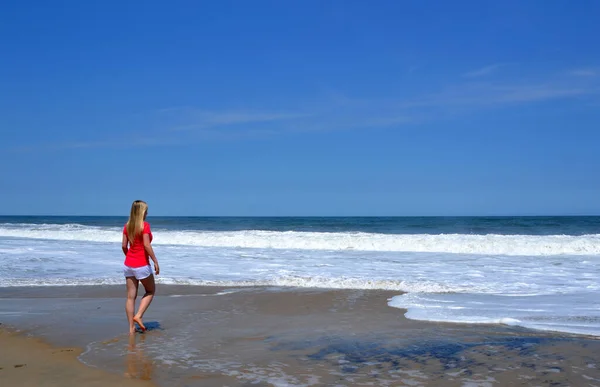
(137, 365)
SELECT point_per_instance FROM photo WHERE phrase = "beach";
(464, 301)
(309, 193)
(268, 336)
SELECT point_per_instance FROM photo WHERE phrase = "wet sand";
(290, 337)
(27, 361)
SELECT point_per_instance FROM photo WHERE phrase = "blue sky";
(300, 107)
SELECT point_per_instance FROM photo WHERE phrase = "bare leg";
(150, 288)
(132, 290)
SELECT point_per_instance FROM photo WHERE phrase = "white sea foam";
(491, 244)
(449, 277)
(577, 313)
(297, 282)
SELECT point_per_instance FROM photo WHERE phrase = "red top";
(136, 255)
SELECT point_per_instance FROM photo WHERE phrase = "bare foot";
(138, 321)
(132, 331)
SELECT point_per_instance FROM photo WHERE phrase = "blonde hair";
(135, 224)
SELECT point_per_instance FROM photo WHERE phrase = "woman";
(137, 248)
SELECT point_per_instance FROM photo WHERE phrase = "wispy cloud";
(63, 146)
(487, 95)
(535, 93)
(584, 72)
(484, 71)
(195, 118)
(337, 111)
(130, 140)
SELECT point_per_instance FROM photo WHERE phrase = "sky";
(283, 108)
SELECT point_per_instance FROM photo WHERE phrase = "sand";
(202, 336)
(28, 361)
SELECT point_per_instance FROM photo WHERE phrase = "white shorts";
(138, 272)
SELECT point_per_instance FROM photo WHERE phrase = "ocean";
(534, 272)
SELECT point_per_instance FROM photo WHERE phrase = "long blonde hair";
(135, 224)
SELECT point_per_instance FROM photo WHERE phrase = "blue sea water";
(538, 272)
(518, 225)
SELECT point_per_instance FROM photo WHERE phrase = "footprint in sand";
(63, 350)
(20, 365)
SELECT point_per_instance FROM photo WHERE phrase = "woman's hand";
(156, 268)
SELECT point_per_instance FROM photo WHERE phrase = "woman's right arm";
(124, 245)
(150, 252)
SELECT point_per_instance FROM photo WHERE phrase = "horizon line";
(312, 216)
